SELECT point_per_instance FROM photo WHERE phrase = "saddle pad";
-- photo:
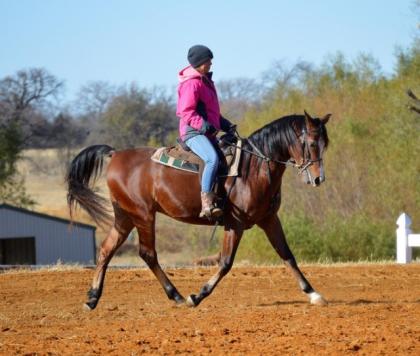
(163, 156)
(178, 158)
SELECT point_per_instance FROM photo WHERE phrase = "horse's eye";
(314, 144)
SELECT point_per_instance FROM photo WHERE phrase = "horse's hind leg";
(231, 241)
(148, 253)
(116, 236)
(274, 231)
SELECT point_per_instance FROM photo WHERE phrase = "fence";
(405, 239)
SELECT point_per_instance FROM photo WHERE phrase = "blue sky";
(147, 41)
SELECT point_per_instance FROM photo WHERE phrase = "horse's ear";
(307, 115)
(308, 118)
(325, 119)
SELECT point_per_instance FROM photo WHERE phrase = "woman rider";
(200, 120)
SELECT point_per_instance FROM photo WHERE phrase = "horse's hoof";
(90, 305)
(180, 301)
(86, 307)
(317, 299)
(191, 301)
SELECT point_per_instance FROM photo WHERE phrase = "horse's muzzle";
(318, 181)
(315, 182)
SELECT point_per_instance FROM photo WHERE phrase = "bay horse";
(140, 188)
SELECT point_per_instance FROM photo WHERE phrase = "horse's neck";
(268, 175)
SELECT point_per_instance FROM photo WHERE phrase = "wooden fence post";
(403, 250)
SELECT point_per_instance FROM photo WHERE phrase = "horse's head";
(309, 148)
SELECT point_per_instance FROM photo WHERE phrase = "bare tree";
(25, 90)
(20, 96)
(91, 103)
(238, 95)
(283, 75)
(93, 97)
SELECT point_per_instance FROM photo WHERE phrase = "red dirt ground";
(373, 310)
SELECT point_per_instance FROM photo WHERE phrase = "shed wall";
(54, 240)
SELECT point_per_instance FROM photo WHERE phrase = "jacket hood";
(188, 73)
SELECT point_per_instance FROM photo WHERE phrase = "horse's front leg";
(274, 231)
(230, 245)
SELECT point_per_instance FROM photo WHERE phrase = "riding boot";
(208, 208)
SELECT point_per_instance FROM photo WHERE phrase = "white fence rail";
(405, 239)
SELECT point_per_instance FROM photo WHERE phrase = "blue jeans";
(204, 149)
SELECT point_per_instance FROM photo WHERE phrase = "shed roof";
(45, 216)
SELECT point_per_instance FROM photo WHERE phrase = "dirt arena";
(373, 310)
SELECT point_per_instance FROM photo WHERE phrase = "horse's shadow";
(281, 302)
(367, 301)
(340, 302)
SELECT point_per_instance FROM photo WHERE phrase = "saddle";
(177, 157)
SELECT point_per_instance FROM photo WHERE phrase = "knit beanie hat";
(198, 54)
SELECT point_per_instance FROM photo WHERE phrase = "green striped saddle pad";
(177, 157)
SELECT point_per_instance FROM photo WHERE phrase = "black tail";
(85, 166)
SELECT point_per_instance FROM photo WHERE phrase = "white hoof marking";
(87, 307)
(317, 299)
(190, 302)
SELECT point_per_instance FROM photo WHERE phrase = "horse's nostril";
(318, 181)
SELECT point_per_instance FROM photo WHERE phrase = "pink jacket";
(197, 104)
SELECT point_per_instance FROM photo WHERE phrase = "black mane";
(275, 138)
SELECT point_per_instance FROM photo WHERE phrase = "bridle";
(302, 167)
(307, 161)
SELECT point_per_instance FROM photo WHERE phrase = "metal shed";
(28, 237)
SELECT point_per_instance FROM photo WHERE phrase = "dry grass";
(44, 173)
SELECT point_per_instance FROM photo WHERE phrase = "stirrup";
(208, 208)
(214, 212)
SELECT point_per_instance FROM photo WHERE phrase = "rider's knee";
(213, 159)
